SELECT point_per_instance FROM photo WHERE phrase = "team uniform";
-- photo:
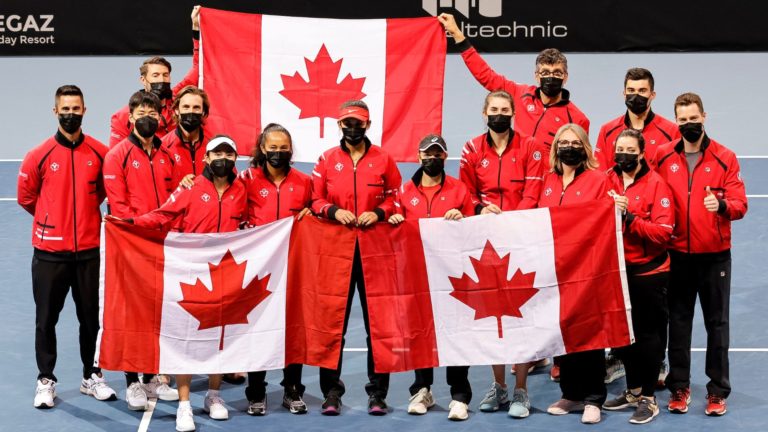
(700, 251)
(120, 126)
(60, 185)
(532, 116)
(187, 156)
(368, 185)
(657, 131)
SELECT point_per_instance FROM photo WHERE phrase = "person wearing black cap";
(432, 193)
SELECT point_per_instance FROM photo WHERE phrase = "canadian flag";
(260, 69)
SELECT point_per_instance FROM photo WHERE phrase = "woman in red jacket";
(648, 214)
(573, 178)
(275, 191)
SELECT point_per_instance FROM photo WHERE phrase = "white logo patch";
(665, 202)
(707, 169)
(205, 197)
(484, 163)
(414, 201)
(89, 163)
(339, 166)
(54, 167)
(135, 164)
(674, 167)
(537, 155)
(531, 107)
(548, 191)
(177, 157)
(264, 192)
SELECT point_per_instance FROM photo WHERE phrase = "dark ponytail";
(258, 158)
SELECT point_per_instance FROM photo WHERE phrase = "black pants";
(257, 386)
(51, 281)
(709, 277)
(133, 377)
(642, 360)
(330, 379)
(582, 376)
(457, 378)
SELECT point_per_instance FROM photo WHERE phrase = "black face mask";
(636, 104)
(161, 89)
(551, 86)
(627, 162)
(70, 122)
(353, 135)
(499, 122)
(691, 131)
(433, 167)
(571, 156)
(279, 159)
(191, 121)
(146, 126)
(222, 167)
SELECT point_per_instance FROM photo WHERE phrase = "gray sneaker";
(521, 405)
(494, 398)
(627, 399)
(614, 369)
(646, 410)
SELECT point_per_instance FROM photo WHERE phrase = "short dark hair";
(68, 90)
(633, 133)
(551, 56)
(686, 99)
(354, 103)
(153, 60)
(144, 99)
(258, 158)
(637, 74)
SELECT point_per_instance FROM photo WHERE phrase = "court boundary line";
(146, 418)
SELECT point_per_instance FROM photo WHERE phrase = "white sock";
(212, 393)
(185, 404)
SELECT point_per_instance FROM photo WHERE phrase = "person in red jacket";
(639, 93)
(354, 184)
(186, 144)
(275, 191)
(574, 179)
(216, 202)
(432, 193)
(155, 77)
(60, 185)
(542, 109)
(138, 179)
(709, 193)
(648, 215)
(503, 172)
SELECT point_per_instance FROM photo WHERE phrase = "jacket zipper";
(218, 225)
(74, 198)
(535, 128)
(277, 213)
(498, 183)
(690, 185)
(154, 182)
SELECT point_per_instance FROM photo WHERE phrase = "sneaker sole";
(456, 418)
(677, 411)
(85, 391)
(649, 419)
(620, 407)
(293, 410)
(43, 406)
(377, 411)
(137, 407)
(256, 413)
(330, 411)
(167, 398)
(715, 413)
(185, 429)
(520, 416)
(226, 417)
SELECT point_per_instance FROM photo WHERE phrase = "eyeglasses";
(566, 143)
(546, 74)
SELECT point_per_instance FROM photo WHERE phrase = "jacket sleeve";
(468, 176)
(483, 73)
(534, 173)
(398, 209)
(467, 205)
(320, 204)
(735, 193)
(116, 187)
(605, 155)
(161, 218)
(658, 227)
(193, 74)
(392, 182)
(118, 128)
(29, 183)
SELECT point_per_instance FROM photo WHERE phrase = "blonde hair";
(554, 162)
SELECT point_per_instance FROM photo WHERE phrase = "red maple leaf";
(227, 302)
(321, 96)
(493, 294)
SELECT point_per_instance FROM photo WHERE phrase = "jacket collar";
(61, 139)
(208, 174)
(648, 119)
(156, 143)
(680, 146)
(346, 150)
(565, 97)
(416, 179)
(188, 144)
(644, 169)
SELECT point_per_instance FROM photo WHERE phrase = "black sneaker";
(293, 401)
(257, 408)
(331, 405)
(233, 378)
(377, 406)
(627, 399)
(646, 410)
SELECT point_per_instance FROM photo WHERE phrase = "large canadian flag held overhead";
(261, 69)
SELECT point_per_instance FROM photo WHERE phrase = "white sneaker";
(185, 421)
(97, 387)
(458, 411)
(45, 393)
(214, 406)
(421, 402)
(533, 365)
(136, 397)
(160, 390)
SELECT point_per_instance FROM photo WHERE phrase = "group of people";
(676, 188)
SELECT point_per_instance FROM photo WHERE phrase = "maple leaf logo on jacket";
(493, 295)
(227, 302)
(321, 96)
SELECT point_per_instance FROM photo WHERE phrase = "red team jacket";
(199, 209)
(412, 203)
(187, 158)
(120, 127)
(60, 185)
(588, 185)
(650, 215)
(369, 186)
(137, 183)
(511, 181)
(532, 117)
(268, 202)
(696, 229)
(657, 131)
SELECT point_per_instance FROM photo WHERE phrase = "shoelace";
(491, 394)
(216, 400)
(679, 395)
(715, 400)
(47, 389)
(518, 397)
(136, 390)
(419, 394)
